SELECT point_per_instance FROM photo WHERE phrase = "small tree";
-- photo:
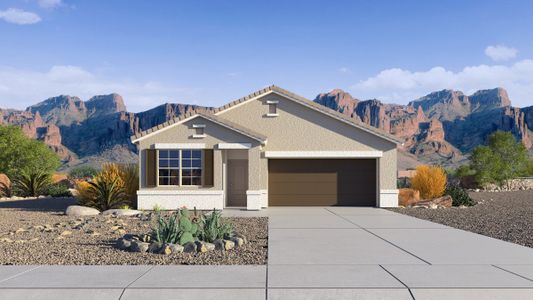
(503, 158)
(20, 154)
(430, 181)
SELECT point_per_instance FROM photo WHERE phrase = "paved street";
(314, 253)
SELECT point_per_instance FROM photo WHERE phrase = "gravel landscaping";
(37, 232)
(506, 216)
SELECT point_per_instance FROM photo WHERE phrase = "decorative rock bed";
(144, 243)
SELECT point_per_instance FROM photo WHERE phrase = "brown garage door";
(322, 182)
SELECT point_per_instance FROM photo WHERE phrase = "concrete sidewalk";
(314, 253)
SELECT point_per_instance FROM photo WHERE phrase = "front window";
(191, 173)
(180, 167)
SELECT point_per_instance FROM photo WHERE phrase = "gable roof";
(310, 104)
(206, 114)
(212, 115)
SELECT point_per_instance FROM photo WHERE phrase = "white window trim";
(272, 115)
(198, 125)
(202, 157)
(199, 136)
(234, 146)
(177, 146)
(272, 101)
(323, 154)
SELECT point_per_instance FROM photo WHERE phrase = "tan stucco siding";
(388, 170)
(299, 128)
(183, 133)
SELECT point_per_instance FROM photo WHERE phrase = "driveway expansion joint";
(374, 234)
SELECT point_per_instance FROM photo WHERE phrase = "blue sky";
(211, 52)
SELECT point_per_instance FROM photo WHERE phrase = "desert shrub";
(31, 184)
(115, 186)
(503, 158)
(459, 196)
(430, 181)
(212, 227)
(167, 230)
(107, 194)
(20, 154)
(130, 177)
(83, 193)
(83, 172)
(58, 189)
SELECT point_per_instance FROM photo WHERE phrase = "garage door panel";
(305, 177)
(302, 200)
(291, 188)
(321, 182)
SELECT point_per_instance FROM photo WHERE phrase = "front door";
(237, 182)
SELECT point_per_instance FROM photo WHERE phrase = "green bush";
(31, 184)
(83, 172)
(58, 190)
(459, 196)
(212, 227)
(503, 158)
(20, 154)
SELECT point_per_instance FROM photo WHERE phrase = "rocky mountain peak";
(60, 110)
(489, 99)
(338, 100)
(105, 104)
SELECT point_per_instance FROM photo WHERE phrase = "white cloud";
(49, 3)
(22, 88)
(19, 16)
(401, 86)
(500, 52)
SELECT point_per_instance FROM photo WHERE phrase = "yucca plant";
(31, 184)
(166, 231)
(130, 177)
(212, 227)
(107, 194)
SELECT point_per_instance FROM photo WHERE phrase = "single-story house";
(270, 148)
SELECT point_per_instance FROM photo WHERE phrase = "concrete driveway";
(314, 253)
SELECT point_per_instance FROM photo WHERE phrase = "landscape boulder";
(78, 210)
(121, 212)
(441, 202)
(408, 197)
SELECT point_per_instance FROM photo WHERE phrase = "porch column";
(253, 194)
(217, 169)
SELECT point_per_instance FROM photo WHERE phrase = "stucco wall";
(298, 128)
(182, 133)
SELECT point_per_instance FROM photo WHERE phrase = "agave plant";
(107, 194)
(31, 184)
(212, 227)
(166, 231)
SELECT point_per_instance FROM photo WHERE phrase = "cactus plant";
(188, 229)
(213, 228)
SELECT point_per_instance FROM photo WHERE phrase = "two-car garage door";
(322, 182)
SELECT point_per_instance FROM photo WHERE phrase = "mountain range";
(439, 128)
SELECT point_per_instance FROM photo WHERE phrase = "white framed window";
(191, 171)
(180, 167)
(169, 167)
